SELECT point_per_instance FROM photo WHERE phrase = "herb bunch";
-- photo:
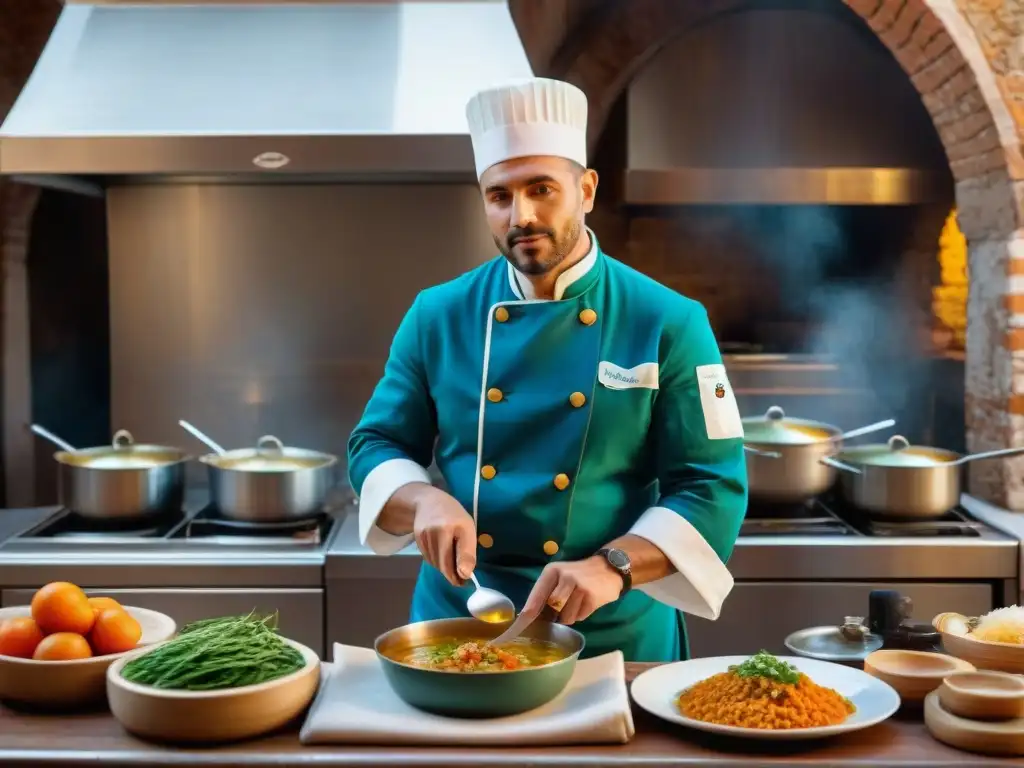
(217, 654)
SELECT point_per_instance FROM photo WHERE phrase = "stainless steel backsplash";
(252, 310)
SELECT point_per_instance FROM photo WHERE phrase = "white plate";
(657, 689)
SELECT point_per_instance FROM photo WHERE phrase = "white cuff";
(379, 486)
(702, 581)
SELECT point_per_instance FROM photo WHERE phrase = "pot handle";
(828, 461)
(123, 439)
(987, 455)
(268, 444)
(759, 452)
(775, 413)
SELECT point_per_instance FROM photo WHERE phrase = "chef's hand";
(575, 589)
(446, 535)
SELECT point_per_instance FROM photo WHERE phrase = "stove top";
(197, 525)
(830, 516)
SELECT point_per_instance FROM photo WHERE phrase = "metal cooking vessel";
(900, 480)
(479, 694)
(784, 466)
(270, 482)
(121, 480)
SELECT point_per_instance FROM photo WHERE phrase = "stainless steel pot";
(783, 455)
(900, 480)
(121, 480)
(270, 482)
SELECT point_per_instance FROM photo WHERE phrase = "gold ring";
(556, 605)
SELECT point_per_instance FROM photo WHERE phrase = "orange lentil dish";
(765, 693)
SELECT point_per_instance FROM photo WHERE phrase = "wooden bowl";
(195, 717)
(983, 695)
(914, 674)
(70, 684)
(1000, 657)
(991, 738)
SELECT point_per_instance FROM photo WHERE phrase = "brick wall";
(966, 59)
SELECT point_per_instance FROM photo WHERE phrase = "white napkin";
(355, 705)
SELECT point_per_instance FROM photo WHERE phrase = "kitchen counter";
(993, 555)
(97, 739)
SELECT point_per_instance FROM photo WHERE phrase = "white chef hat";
(535, 117)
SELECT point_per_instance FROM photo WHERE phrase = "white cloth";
(355, 705)
(539, 117)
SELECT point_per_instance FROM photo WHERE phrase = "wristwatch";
(619, 560)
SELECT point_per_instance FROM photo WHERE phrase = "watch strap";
(625, 571)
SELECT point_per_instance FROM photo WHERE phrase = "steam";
(862, 314)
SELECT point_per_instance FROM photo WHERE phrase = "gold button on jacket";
(487, 472)
(501, 314)
(588, 317)
(577, 399)
(495, 395)
(561, 481)
(550, 548)
(485, 540)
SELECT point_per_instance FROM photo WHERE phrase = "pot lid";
(898, 452)
(122, 453)
(848, 642)
(778, 429)
(270, 455)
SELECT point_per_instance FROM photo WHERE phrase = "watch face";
(618, 558)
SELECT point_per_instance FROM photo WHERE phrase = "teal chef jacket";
(561, 425)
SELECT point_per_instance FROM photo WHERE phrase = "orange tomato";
(62, 646)
(115, 631)
(19, 637)
(100, 604)
(62, 607)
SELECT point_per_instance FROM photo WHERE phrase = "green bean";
(215, 654)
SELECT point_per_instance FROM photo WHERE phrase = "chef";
(578, 411)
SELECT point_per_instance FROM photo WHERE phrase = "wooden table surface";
(96, 739)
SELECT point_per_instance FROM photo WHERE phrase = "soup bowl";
(495, 693)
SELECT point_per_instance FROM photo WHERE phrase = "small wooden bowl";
(196, 717)
(70, 684)
(983, 695)
(989, 738)
(1000, 657)
(914, 674)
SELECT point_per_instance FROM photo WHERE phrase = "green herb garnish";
(216, 654)
(763, 664)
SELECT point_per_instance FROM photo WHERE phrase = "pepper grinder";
(889, 616)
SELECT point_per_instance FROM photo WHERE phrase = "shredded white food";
(1003, 625)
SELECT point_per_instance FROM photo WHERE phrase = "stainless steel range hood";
(267, 91)
(795, 105)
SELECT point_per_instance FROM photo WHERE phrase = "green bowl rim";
(570, 659)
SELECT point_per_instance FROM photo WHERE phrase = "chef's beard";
(534, 261)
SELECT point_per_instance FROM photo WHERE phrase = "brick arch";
(609, 41)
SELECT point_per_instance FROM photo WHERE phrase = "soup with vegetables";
(458, 654)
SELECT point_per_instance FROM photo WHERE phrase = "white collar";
(523, 288)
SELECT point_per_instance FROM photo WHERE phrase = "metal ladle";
(489, 604)
(202, 437)
(46, 434)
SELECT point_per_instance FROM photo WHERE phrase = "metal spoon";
(489, 605)
(202, 437)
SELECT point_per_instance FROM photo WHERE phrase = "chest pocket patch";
(643, 376)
